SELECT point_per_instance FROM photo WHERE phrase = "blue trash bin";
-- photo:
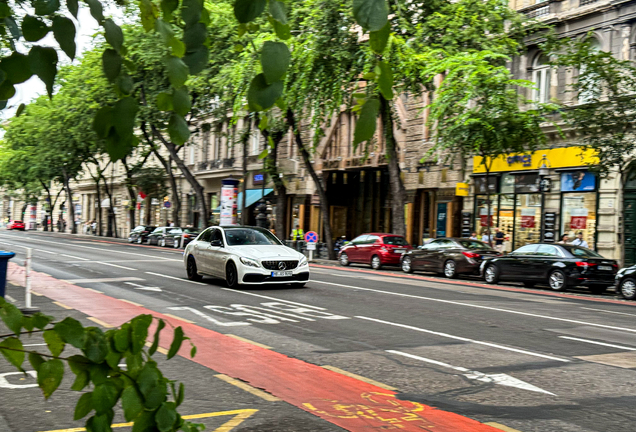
(4, 261)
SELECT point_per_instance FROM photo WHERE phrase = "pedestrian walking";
(473, 236)
(485, 237)
(578, 241)
(500, 236)
(94, 227)
(564, 239)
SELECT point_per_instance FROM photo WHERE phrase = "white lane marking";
(208, 317)
(104, 250)
(103, 280)
(5, 384)
(144, 288)
(274, 298)
(479, 306)
(602, 310)
(598, 343)
(48, 252)
(115, 265)
(446, 335)
(501, 379)
(75, 257)
(175, 278)
(89, 261)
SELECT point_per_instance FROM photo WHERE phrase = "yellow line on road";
(179, 318)
(502, 427)
(36, 293)
(100, 322)
(239, 416)
(131, 302)
(62, 305)
(359, 378)
(94, 290)
(249, 341)
(248, 388)
(159, 349)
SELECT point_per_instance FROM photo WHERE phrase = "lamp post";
(544, 186)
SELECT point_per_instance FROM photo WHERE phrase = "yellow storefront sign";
(555, 158)
(462, 189)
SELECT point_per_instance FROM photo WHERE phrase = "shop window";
(541, 78)
(579, 215)
(527, 219)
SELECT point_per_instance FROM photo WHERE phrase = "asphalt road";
(525, 359)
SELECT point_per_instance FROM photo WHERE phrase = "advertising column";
(229, 205)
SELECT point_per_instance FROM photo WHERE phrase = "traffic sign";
(311, 237)
(167, 204)
(311, 246)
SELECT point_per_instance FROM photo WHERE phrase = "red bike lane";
(344, 401)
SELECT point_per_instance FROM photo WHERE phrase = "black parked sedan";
(626, 282)
(451, 256)
(140, 234)
(560, 266)
(158, 236)
(180, 237)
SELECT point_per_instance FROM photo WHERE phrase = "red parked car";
(19, 225)
(376, 249)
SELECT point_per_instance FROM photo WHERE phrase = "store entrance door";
(629, 218)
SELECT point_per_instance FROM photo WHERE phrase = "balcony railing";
(586, 2)
(215, 164)
(540, 11)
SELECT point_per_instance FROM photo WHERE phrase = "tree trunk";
(245, 141)
(398, 194)
(46, 214)
(112, 221)
(488, 207)
(71, 207)
(198, 189)
(99, 208)
(176, 207)
(324, 203)
(271, 167)
(131, 194)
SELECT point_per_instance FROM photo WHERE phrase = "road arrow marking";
(144, 288)
(501, 379)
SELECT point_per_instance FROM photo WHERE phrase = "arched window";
(541, 79)
(588, 96)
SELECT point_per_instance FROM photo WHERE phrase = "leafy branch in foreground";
(149, 400)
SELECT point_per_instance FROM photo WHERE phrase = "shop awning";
(251, 197)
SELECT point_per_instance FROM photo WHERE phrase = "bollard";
(4, 262)
(28, 308)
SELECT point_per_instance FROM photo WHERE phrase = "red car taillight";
(584, 264)
(471, 254)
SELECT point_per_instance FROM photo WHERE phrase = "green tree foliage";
(148, 399)
(603, 89)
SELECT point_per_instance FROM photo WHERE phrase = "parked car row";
(559, 266)
(163, 236)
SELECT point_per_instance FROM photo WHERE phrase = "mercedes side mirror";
(216, 243)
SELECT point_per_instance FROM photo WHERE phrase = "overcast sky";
(86, 27)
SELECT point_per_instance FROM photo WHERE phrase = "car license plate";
(605, 268)
(281, 273)
(399, 250)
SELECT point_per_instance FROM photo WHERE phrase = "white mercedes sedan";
(244, 255)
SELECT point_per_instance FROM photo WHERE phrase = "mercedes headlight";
(250, 262)
(303, 262)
